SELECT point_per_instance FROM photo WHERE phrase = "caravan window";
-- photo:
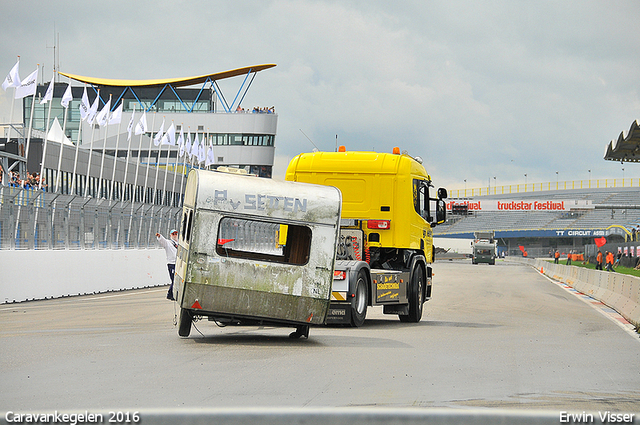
(261, 240)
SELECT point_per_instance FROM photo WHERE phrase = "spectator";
(171, 249)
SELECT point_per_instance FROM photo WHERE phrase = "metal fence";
(35, 219)
(543, 187)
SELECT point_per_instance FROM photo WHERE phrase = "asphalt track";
(500, 336)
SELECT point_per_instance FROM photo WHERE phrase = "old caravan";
(256, 251)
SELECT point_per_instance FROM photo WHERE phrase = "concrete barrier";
(32, 275)
(619, 291)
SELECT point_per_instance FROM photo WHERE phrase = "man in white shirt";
(171, 249)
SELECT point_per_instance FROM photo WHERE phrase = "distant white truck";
(483, 248)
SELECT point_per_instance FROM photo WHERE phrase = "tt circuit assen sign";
(494, 205)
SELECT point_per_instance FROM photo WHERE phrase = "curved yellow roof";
(176, 82)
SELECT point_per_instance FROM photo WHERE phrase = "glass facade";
(190, 101)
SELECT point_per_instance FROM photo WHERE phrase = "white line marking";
(613, 315)
(25, 304)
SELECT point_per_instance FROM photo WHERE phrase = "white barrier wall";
(619, 291)
(27, 275)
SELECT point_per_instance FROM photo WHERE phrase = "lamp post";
(495, 187)
(556, 180)
(589, 179)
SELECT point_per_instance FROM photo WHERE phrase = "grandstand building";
(540, 221)
(239, 136)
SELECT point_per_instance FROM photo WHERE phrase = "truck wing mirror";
(441, 209)
(442, 193)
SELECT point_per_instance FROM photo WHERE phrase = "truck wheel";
(415, 297)
(184, 329)
(359, 301)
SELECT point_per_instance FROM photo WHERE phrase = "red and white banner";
(494, 205)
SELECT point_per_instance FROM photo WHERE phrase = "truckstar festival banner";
(493, 205)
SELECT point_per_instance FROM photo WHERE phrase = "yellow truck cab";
(386, 244)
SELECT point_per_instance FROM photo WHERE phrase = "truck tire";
(416, 297)
(359, 301)
(184, 328)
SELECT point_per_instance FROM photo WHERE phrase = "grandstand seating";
(534, 220)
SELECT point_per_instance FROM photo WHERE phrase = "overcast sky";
(477, 89)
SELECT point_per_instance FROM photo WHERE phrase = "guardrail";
(34, 219)
(546, 186)
(618, 291)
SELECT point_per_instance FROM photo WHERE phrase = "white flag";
(210, 157)
(66, 97)
(93, 110)
(202, 156)
(181, 143)
(13, 78)
(141, 127)
(48, 96)
(103, 116)
(84, 105)
(159, 134)
(169, 137)
(195, 147)
(116, 116)
(27, 86)
(130, 125)
(187, 145)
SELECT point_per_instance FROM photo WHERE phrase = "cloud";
(477, 89)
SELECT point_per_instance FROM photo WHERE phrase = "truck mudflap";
(349, 302)
(391, 286)
(339, 313)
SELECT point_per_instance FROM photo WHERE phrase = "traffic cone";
(541, 270)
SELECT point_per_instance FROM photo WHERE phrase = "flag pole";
(182, 174)
(26, 150)
(115, 160)
(146, 177)
(184, 169)
(46, 136)
(26, 153)
(175, 168)
(91, 121)
(132, 193)
(126, 164)
(64, 128)
(166, 168)
(104, 143)
(13, 101)
(75, 161)
(155, 182)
